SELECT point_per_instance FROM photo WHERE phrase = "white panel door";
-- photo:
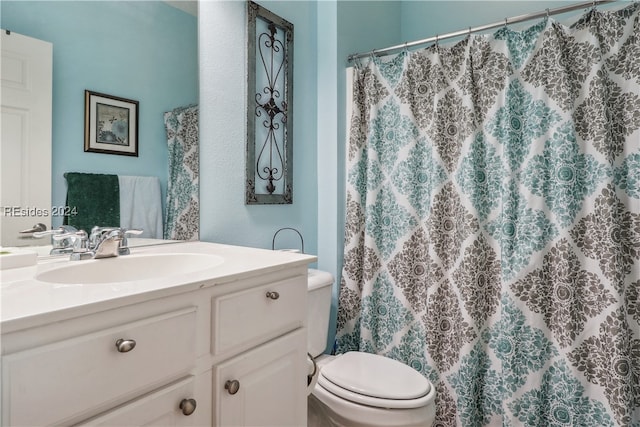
(271, 387)
(25, 128)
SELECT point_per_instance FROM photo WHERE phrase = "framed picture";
(269, 152)
(110, 124)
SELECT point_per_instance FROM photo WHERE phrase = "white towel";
(141, 204)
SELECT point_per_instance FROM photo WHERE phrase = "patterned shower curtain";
(492, 236)
(183, 197)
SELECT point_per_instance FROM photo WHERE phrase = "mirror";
(145, 51)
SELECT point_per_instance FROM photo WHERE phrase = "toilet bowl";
(367, 390)
(359, 389)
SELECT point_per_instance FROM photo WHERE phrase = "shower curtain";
(183, 197)
(492, 237)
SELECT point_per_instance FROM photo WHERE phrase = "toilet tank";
(319, 286)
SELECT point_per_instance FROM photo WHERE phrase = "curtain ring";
(469, 31)
(547, 10)
(437, 37)
(506, 22)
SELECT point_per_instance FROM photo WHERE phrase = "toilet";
(359, 389)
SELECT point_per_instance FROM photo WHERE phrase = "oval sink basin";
(129, 268)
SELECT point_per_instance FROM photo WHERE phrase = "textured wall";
(224, 216)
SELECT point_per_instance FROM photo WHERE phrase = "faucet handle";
(124, 244)
(134, 231)
(73, 235)
(63, 229)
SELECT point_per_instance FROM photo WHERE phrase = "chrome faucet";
(103, 242)
(98, 233)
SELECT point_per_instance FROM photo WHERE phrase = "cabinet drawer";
(81, 376)
(161, 408)
(257, 315)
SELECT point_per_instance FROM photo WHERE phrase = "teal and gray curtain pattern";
(492, 237)
(183, 197)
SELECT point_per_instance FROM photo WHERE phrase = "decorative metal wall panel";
(269, 157)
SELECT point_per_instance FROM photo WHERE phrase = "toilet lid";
(374, 380)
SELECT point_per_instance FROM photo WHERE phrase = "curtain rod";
(513, 20)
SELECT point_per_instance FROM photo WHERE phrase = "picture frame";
(269, 143)
(110, 124)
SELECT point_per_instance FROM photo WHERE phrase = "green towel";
(96, 199)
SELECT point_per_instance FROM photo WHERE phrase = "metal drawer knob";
(188, 406)
(232, 386)
(273, 295)
(125, 346)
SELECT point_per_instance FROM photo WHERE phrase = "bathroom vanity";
(183, 334)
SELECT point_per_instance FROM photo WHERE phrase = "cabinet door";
(272, 384)
(161, 408)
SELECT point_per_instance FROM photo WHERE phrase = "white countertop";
(26, 301)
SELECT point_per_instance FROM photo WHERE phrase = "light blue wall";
(424, 19)
(329, 153)
(224, 216)
(141, 50)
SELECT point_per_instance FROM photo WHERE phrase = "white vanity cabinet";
(227, 351)
(65, 381)
(265, 386)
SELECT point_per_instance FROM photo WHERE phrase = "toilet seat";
(376, 381)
